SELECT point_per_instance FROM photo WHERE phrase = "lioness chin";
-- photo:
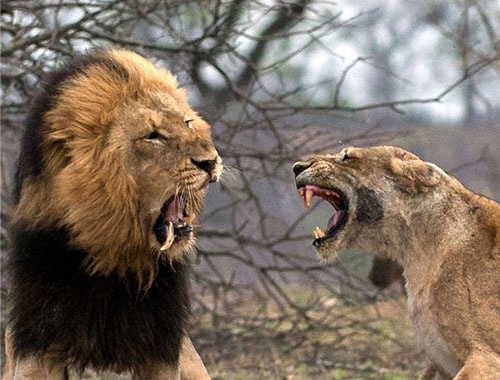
(446, 237)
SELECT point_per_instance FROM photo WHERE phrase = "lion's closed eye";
(155, 136)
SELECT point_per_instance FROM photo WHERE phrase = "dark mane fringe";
(30, 157)
(92, 320)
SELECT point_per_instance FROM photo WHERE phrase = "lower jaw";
(332, 233)
(330, 236)
(178, 250)
(157, 240)
(325, 254)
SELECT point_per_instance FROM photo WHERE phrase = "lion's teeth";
(189, 219)
(307, 198)
(170, 237)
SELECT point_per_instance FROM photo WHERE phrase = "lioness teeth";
(307, 198)
(318, 233)
(170, 237)
(302, 195)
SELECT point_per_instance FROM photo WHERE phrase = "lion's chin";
(179, 250)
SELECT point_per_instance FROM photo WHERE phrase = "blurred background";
(279, 80)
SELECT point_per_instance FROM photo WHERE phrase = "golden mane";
(85, 184)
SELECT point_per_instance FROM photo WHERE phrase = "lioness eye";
(346, 157)
(153, 136)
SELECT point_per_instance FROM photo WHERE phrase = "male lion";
(446, 238)
(114, 166)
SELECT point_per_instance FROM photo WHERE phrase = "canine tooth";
(307, 198)
(319, 232)
(170, 237)
(190, 218)
(315, 233)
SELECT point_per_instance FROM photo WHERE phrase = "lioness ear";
(416, 175)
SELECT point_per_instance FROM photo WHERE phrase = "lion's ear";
(415, 175)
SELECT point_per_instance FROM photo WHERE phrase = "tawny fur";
(100, 184)
(95, 121)
(447, 239)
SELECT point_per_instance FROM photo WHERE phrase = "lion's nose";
(205, 165)
(299, 167)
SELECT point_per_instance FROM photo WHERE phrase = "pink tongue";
(335, 219)
(174, 210)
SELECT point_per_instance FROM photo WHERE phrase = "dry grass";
(368, 342)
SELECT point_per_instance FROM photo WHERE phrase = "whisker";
(165, 191)
(229, 174)
(230, 168)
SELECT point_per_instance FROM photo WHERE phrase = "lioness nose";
(205, 165)
(299, 167)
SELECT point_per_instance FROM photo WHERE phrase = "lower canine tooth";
(170, 237)
(319, 232)
(190, 218)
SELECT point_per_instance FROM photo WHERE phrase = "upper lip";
(300, 182)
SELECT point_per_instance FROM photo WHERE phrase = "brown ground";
(370, 342)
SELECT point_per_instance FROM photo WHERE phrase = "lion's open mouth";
(340, 204)
(174, 222)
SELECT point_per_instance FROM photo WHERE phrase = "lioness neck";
(456, 221)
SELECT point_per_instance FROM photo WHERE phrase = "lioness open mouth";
(340, 204)
(174, 222)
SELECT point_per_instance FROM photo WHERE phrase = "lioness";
(447, 239)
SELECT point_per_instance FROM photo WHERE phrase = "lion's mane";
(79, 250)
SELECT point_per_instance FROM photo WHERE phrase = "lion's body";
(95, 321)
(446, 238)
(112, 158)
